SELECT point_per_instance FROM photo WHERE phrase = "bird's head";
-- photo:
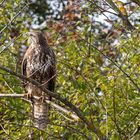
(36, 37)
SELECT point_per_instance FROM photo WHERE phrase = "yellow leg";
(42, 98)
(28, 95)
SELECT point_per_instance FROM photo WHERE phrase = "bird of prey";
(39, 63)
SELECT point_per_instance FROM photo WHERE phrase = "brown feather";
(39, 64)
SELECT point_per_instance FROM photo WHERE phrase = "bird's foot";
(42, 98)
(28, 96)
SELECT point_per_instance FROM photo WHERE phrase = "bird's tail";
(40, 114)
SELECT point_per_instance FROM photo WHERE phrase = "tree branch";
(136, 1)
(12, 41)
(78, 112)
(14, 95)
(11, 21)
(69, 113)
(7, 133)
(120, 14)
(1, 4)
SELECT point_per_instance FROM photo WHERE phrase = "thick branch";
(78, 112)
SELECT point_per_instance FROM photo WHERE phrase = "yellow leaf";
(121, 7)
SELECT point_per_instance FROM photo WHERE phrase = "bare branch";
(12, 95)
(6, 132)
(13, 40)
(135, 132)
(136, 1)
(69, 113)
(123, 17)
(11, 21)
(1, 4)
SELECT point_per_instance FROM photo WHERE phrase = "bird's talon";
(28, 95)
(42, 98)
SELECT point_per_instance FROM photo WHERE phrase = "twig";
(115, 64)
(69, 113)
(14, 95)
(135, 132)
(32, 126)
(102, 9)
(1, 4)
(75, 130)
(137, 2)
(65, 117)
(8, 86)
(11, 43)
(47, 64)
(6, 132)
(11, 21)
(49, 79)
(123, 17)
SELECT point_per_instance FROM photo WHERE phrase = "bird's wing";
(23, 69)
(52, 79)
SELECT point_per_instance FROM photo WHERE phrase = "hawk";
(39, 63)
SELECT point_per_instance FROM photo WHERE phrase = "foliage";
(97, 68)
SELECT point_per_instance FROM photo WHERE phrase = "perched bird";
(39, 63)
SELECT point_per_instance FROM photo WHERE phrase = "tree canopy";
(97, 45)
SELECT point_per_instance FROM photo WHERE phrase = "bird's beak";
(31, 33)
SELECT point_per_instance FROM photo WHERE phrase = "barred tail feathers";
(40, 114)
